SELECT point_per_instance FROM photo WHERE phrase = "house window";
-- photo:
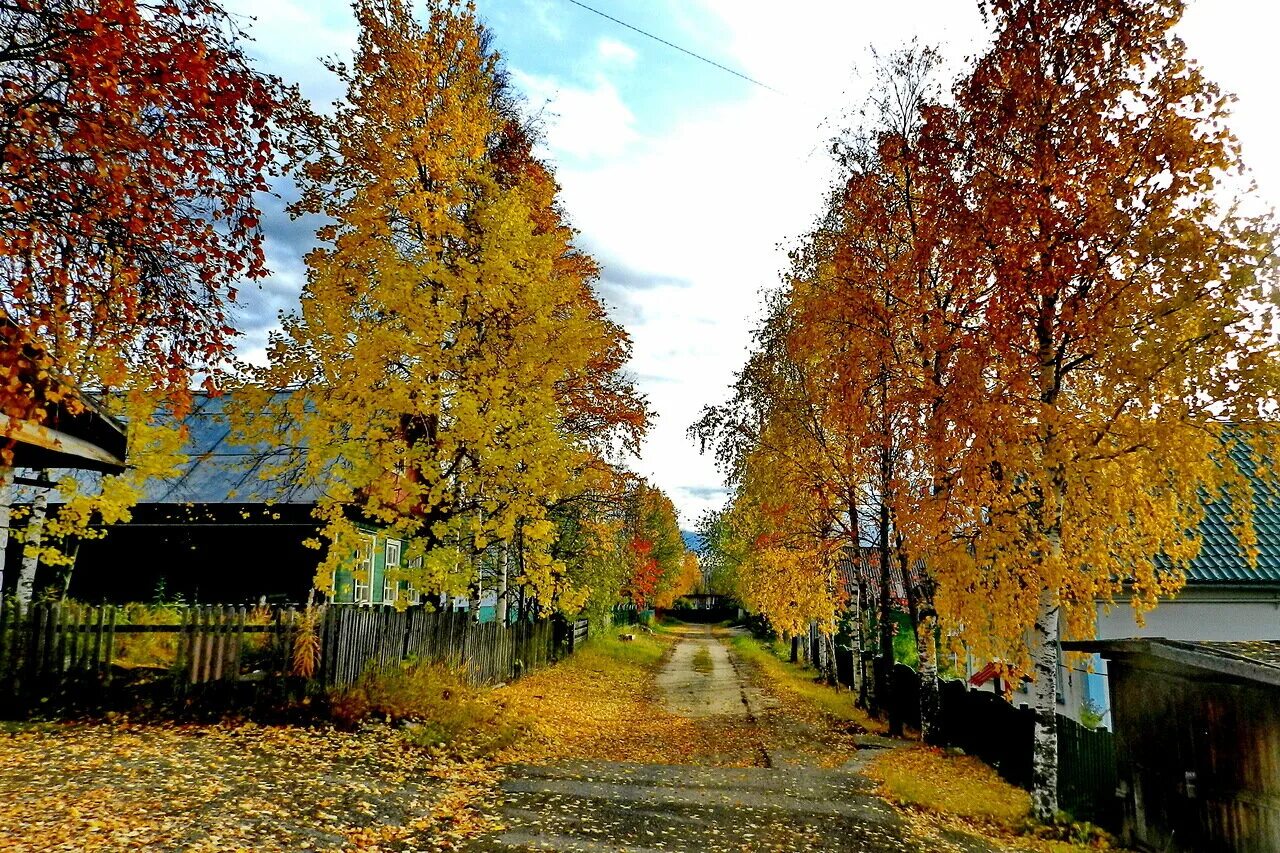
(390, 571)
(411, 592)
(364, 570)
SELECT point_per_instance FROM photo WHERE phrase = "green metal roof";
(1221, 559)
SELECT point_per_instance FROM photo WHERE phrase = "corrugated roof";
(865, 563)
(220, 470)
(1221, 559)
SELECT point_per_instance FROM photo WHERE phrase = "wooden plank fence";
(71, 654)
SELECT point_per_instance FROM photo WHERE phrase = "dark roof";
(1221, 559)
(221, 471)
(1250, 660)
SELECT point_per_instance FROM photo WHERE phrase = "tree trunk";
(502, 585)
(833, 666)
(6, 498)
(930, 704)
(860, 646)
(1044, 756)
(884, 673)
(795, 649)
(31, 549)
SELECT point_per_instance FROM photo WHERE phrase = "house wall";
(1240, 613)
(346, 584)
(1199, 759)
(208, 554)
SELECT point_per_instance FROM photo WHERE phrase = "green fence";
(1087, 773)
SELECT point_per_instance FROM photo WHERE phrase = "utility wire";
(675, 46)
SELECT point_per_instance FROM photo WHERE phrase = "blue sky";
(688, 183)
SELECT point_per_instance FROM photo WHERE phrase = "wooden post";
(99, 625)
(110, 648)
(6, 498)
(219, 642)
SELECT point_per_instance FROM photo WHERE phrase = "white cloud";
(616, 52)
(581, 123)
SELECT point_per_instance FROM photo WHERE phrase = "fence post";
(109, 646)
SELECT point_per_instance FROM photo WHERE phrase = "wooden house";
(1198, 742)
(218, 532)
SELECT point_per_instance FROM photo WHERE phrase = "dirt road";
(785, 802)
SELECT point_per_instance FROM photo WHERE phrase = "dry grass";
(962, 792)
(960, 785)
(432, 706)
(799, 681)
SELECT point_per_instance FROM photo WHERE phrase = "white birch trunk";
(1044, 697)
(502, 585)
(927, 649)
(6, 498)
(31, 552)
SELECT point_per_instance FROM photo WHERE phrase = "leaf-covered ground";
(104, 786)
(608, 758)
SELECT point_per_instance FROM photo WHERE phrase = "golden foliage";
(451, 372)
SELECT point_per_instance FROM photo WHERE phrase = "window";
(364, 570)
(390, 571)
(411, 593)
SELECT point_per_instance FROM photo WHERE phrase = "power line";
(684, 50)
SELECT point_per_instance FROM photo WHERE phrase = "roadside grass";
(646, 649)
(962, 792)
(771, 658)
(431, 706)
(959, 785)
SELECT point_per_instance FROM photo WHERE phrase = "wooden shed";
(1198, 742)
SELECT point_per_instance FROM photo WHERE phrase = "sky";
(689, 183)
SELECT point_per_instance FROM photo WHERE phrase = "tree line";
(450, 376)
(1018, 354)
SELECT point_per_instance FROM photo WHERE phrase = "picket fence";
(67, 654)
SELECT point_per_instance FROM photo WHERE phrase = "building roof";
(1221, 560)
(864, 563)
(1250, 660)
(67, 429)
(220, 470)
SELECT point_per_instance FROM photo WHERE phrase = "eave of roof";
(1242, 661)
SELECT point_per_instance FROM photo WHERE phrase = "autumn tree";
(654, 546)
(1130, 317)
(133, 138)
(451, 375)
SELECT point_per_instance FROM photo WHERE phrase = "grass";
(433, 708)
(645, 650)
(702, 661)
(959, 785)
(966, 793)
(772, 659)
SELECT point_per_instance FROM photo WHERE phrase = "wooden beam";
(34, 434)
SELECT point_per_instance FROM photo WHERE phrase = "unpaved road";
(782, 805)
(693, 691)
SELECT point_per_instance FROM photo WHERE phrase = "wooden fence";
(71, 655)
(983, 724)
